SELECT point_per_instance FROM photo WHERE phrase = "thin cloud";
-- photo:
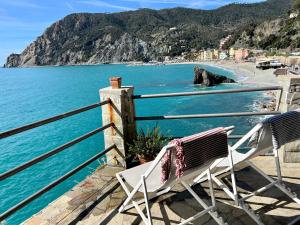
(69, 6)
(179, 2)
(104, 4)
(23, 3)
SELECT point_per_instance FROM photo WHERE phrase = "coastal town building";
(216, 54)
(241, 54)
(202, 55)
(208, 55)
(223, 55)
(223, 41)
(231, 53)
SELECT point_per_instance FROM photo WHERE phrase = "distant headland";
(145, 34)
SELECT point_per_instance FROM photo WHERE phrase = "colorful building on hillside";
(208, 55)
(223, 55)
(231, 53)
(216, 54)
(223, 41)
(241, 54)
(201, 55)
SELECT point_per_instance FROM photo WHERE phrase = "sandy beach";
(248, 73)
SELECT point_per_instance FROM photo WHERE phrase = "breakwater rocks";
(268, 103)
(208, 79)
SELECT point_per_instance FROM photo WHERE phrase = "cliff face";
(139, 35)
(280, 33)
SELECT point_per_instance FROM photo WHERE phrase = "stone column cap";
(112, 90)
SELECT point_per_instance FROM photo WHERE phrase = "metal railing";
(56, 150)
(213, 115)
(51, 119)
(231, 91)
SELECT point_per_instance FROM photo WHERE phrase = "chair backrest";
(284, 128)
(193, 152)
(274, 132)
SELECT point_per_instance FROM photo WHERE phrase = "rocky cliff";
(283, 33)
(144, 34)
(208, 79)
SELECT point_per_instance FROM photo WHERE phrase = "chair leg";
(277, 162)
(251, 213)
(241, 204)
(129, 198)
(146, 200)
(139, 202)
(280, 185)
(211, 188)
(210, 209)
(232, 174)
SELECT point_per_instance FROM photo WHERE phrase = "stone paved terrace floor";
(95, 201)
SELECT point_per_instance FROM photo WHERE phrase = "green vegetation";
(144, 34)
(281, 33)
(148, 144)
(296, 4)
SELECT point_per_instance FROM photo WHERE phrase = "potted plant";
(147, 144)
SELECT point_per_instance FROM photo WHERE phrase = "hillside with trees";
(143, 34)
(281, 33)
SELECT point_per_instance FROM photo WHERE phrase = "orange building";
(241, 54)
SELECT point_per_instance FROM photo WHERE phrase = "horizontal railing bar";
(52, 185)
(213, 115)
(50, 120)
(271, 88)
(229, 137)
(51, 153)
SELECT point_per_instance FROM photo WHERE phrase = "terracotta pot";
(144, 158)
(115, 82)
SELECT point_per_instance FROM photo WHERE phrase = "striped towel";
(194, 151)
(285, 128)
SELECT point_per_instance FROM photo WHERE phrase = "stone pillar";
(121, 112)
(289, 100)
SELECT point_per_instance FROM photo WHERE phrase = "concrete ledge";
(97, 193)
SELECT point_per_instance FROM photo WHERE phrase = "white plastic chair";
(146, 178)
(264, 145)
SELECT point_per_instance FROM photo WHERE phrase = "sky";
(22, 21)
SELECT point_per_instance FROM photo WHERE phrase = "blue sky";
(21, 21)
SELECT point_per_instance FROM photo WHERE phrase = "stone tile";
(96, 201)
(36, 220)
(108, 171)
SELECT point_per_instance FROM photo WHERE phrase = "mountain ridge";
(144, 34)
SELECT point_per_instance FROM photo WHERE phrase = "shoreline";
(245, 72)
(249, 73)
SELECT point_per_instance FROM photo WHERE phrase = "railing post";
(289, 100)
(121, 112)
(290, 97)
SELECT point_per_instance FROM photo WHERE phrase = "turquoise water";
(31, 94)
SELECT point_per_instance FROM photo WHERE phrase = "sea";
(31, 94)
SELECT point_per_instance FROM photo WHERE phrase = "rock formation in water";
(208, 79)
